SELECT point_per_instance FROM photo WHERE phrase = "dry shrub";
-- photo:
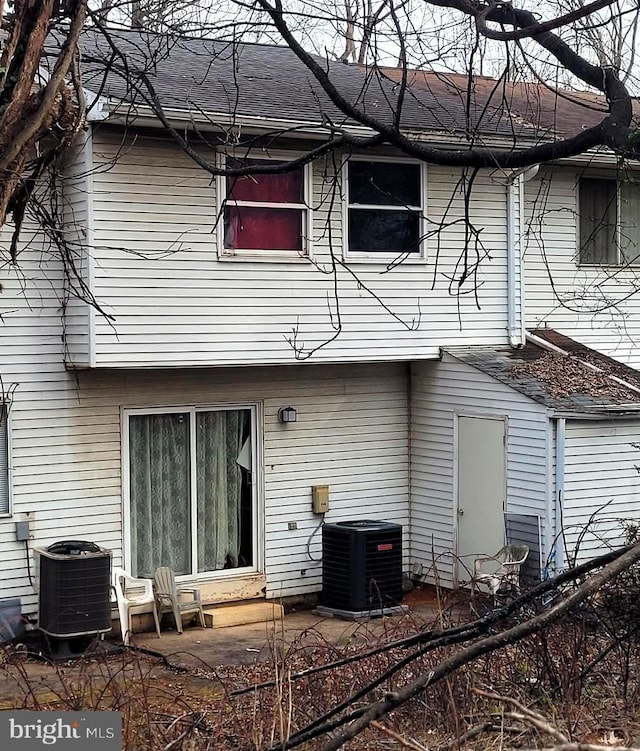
(582, 674)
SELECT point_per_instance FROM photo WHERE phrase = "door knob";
(460, 512)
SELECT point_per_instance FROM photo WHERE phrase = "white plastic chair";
(171, 599)
(501, 571)
(132, 596)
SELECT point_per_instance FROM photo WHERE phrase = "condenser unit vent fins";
(75, 579)
(361, 565)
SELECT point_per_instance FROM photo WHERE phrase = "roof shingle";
(580, 381)
(220, 77)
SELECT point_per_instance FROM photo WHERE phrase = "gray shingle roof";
(208, 77)
(548, 110)
(584, 381)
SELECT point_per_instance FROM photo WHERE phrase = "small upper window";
(385, 207)
(4, 459)
(265, 212)
(609, 213)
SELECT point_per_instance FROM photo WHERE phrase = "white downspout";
(523, 279)
(558, 533)
(515, 183)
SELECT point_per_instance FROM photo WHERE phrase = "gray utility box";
(75, 589)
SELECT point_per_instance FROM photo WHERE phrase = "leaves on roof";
(565, 376)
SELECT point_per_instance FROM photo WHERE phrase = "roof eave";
(598, 413)
(118, 112)
(125, 113)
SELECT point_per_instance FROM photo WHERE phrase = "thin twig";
(524, 713)
(586, 747)
(467, 736)
(540, 724)
(401, 739)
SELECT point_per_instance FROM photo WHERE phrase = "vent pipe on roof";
(515, 275)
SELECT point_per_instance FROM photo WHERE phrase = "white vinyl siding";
(440, 391)
(351, 434)
(66, 439)
(598, 306)
(601, 485)
(77, 179)
(47, 486)
(176, 304)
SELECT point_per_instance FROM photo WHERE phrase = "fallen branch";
(447, 637)
(351, 724)
(468, 735)
(357, 721)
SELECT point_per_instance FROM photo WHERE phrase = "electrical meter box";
(320, 499)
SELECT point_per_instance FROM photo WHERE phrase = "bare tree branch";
(613, 131)
(350, 725)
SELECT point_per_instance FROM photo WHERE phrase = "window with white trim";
(265, 213)
(385, 207)
(4, 459)
(609, 221)
(191, 496)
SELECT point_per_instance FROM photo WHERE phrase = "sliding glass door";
(191, 491)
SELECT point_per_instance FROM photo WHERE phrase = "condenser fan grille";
(74, 592)
(362, 565)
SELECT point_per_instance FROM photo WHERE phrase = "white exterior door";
(481, 490)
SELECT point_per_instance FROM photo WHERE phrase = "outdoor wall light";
(288, 414)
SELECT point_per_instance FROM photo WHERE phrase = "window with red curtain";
(264, 211)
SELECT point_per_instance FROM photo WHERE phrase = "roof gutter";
(97, 106)
(515, 282)
(126, 113)
(602, 412)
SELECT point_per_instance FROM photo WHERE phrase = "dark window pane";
(284, 188)
(385, 184)
(598, 215)
(257, 228)
(629, 222)
(374, 231)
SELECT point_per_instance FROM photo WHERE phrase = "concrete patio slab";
(248, 643)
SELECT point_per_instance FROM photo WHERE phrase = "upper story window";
(265, 214)
(4, 459)
(385, 208)
(609, 221)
